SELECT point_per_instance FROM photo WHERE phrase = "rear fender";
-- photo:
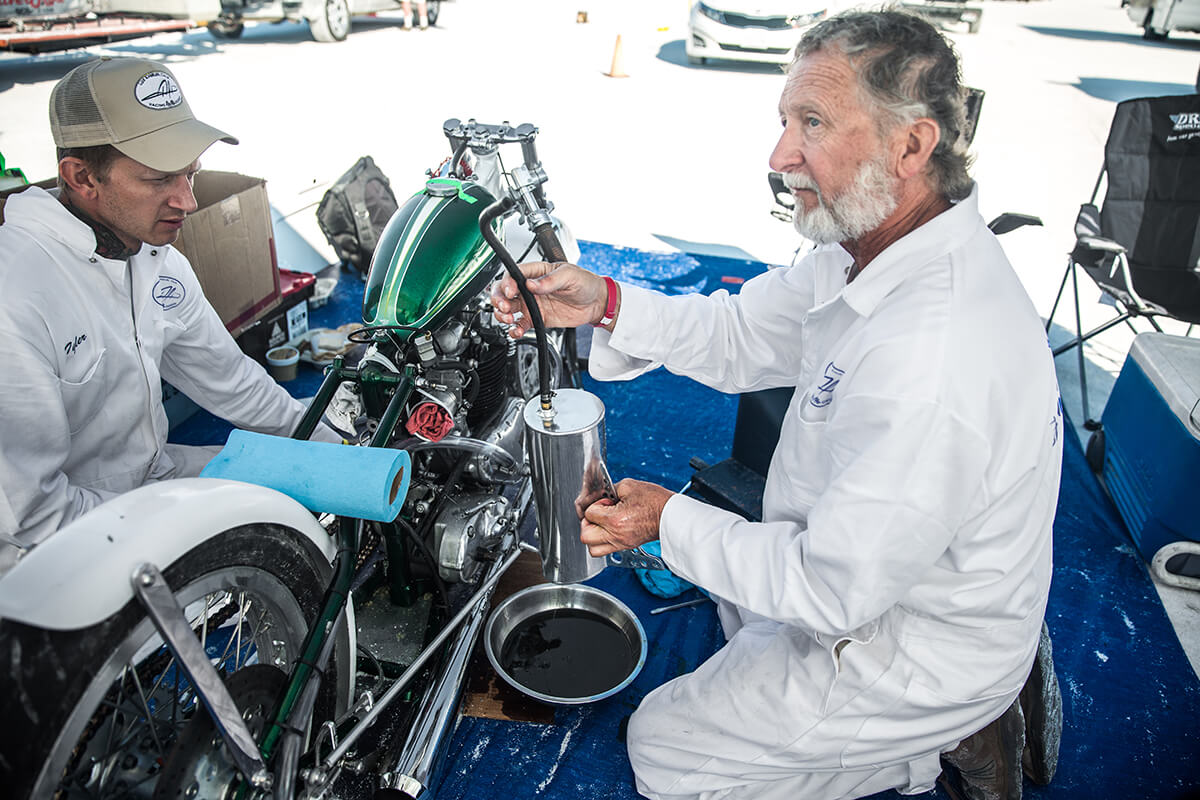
(81, 575)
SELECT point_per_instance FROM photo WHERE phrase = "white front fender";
(81, 574)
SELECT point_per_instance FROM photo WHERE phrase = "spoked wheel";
(97, 713)
(199, 766)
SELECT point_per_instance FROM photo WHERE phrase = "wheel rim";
(122, 729)
(337, 14)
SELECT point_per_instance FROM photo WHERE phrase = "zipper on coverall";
(137, 340)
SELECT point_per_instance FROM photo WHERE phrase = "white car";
(329, 20)
(1158, 18)
(750, 30)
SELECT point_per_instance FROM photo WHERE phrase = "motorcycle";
(198, 638)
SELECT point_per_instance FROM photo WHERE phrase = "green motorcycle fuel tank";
(431, 258)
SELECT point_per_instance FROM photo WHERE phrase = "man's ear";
(919, 140)
(78, 177)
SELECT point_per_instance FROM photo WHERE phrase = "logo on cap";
(158, 91)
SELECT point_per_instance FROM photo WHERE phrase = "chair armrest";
(1101, 244)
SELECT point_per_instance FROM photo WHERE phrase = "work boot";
(1041, 703)
(989, 762)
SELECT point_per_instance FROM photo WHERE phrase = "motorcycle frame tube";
(335, 373)
(310, 665)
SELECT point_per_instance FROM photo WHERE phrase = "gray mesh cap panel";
(75, 120)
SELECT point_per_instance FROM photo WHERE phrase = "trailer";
(42, 26)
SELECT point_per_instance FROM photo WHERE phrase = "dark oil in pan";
(568, 653)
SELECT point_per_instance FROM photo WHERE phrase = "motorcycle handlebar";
(548, 243)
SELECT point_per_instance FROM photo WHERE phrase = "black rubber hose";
(535, 315)
(429, 557)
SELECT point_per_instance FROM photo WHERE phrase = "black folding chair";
(1142, 245)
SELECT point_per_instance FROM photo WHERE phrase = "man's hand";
(567, 296)
(628, 523)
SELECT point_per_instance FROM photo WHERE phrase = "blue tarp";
(1131, 702)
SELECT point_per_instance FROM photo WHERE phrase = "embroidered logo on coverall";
(824, 394)
(168, 292)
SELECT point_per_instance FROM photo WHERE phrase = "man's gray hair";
(907, 70)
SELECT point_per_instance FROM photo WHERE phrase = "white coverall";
(85, 341)
(889, 604)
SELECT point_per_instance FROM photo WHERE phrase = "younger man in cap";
(98, 307)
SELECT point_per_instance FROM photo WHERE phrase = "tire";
(333, 24)
(1148, 32)
(226, 29)
(1094, 454)
(70, 692)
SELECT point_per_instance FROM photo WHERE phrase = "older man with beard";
(889, 604)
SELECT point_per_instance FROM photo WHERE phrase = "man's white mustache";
(795, 180)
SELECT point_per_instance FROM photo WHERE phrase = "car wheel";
(1094, 455)
(333, 23)
(226, 28)
(434, 6)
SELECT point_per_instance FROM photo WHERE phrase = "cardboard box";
(231, 246)
(283, 323)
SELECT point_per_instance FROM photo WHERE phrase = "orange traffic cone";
(617, 70)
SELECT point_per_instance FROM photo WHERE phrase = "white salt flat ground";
(670, 157)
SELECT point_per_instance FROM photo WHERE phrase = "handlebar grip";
(525, 134)
(547, 241)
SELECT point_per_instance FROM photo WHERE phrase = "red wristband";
(610, 309)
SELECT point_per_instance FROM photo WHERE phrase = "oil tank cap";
(443, 187)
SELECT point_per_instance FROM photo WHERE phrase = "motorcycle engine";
(465, 431)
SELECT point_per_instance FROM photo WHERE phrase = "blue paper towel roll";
(363, 482)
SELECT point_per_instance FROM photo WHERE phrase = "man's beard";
(858, 210)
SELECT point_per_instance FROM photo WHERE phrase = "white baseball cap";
(136, 106)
